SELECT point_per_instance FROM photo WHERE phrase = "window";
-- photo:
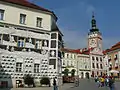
(18, 67)
(59, 37)
(1, 14)
(20, 43)
(0, 39)
(36, 68)
(6, 37)
(93, 65)
(97, 65)
(53, 62)
(22, 18)
(97, 58)
(67, 55)
(53, 36)
(59, 54)
(63, 54)
(39, 22)
(101, 66)
(100, 59)
(115, 56)
(53, 44)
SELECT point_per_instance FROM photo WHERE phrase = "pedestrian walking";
(102, 81)
(111, 83)
(106, 81)
(54, 85)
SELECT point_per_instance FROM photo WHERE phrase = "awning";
(114, 71)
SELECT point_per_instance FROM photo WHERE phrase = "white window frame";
(19, 67)
(22, 18)
(2, 14)
(39, 22)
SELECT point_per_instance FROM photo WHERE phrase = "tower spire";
(93, 23)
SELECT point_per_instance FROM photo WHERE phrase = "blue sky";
(74, 18)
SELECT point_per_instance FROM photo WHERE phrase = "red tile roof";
(28, 4)
(70, 50)
(77, 51)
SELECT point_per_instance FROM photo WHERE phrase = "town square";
(59, 45)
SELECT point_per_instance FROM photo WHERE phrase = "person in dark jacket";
(54, 85)
(111, 83)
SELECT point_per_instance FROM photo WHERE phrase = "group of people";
(105, 81)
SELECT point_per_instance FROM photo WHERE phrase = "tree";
(73, 72)
(45, 80)
(65, 72)
(28, 80)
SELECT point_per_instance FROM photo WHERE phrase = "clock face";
(92, 43)
(97, 49)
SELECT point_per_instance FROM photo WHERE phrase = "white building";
(84, 65)
(69, 60)
(30, 43)
(77, 60)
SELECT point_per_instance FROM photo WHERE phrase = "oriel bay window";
(0, 38)
(53, 36)
(53, 43)
(52, 62)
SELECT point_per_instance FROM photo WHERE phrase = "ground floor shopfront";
(84, 73)
(17, 83)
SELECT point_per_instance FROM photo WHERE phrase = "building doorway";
(87, 75)
(82, 74)
(18, 83)
(92, 74)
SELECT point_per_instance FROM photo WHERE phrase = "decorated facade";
(30, 43)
